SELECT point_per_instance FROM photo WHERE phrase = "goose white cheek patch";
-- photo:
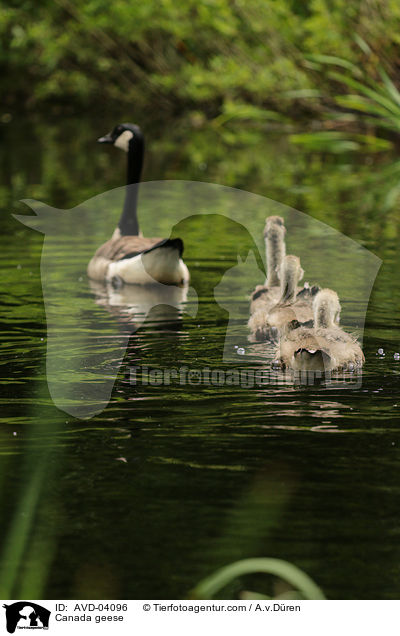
(123, 140)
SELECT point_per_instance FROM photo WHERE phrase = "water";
(169, 483)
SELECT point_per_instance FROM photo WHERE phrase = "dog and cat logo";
(26, 615)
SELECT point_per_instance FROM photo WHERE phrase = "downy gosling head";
(326, 309)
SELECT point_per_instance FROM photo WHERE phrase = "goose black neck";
(128, 224)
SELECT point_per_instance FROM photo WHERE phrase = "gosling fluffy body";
(324, 346)
(268, 322)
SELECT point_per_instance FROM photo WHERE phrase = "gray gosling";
(268, 323)
(323, 346)
(267, 295)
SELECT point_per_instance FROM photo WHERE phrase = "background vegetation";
(212, 59)
(213, 83)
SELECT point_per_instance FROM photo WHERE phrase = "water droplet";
(396, 356)
(241, 351)
(381, 352)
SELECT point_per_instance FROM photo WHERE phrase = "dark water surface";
(169, 483)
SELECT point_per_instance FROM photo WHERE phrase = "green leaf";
(369, 92)
(336, 61)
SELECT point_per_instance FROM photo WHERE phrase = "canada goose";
(128, 257)
(324, 346)
(268, 322)
(267, 295)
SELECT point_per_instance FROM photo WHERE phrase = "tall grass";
(366, 101)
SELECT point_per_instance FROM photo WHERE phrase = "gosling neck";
(324, 315)
(275, 253)
(289, 285)
(128, 223)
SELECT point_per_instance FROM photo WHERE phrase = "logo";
(26, 615)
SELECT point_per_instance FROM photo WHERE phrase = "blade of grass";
(336, 61)
(366, 90)
(391, 88)
(207, 588)
(19, 531)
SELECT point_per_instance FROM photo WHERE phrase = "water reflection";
(133, 304)
(210, 474)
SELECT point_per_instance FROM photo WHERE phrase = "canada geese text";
(129, 257)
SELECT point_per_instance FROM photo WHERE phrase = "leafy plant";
(370, 102)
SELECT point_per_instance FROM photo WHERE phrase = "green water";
(169, 483)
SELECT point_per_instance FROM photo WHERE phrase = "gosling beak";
(310, 352)
(107, 139)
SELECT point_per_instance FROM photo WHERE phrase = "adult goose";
(128, 257)
(323, 346)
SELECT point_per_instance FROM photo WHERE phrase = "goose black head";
(122, 135)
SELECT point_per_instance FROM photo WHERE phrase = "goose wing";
(126, 247)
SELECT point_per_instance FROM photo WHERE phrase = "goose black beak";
(107, 139)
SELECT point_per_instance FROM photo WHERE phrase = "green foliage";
(79, 50)
(377, 103)
(246, 61)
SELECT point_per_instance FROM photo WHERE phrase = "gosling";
(323, 346)
(269, 323)
(267, 295)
